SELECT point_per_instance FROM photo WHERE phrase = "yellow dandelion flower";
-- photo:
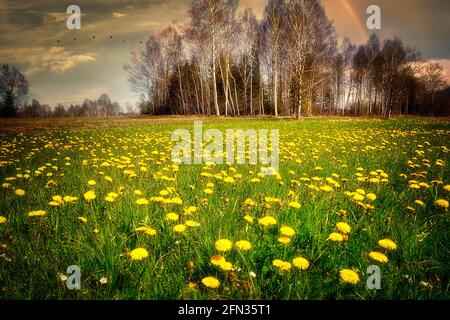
(349, 276)
(176, 200)
(229, 180)
(92, 182)
(300, 263)
(164, 193)
(141, 201)
(211, 282)
(36, 213)
(358, 197)
(226, 266)
(248, 218)
(287, 231)
(83, 219)
(138, 192)
(336, 237)
(387, 244)
(192, 223)
(146, 230)
(179, 228)
(243, 245)
(371, 197)
(139, 254)
(282, 265)
(110, 199)
(2, 219)
(284, 240)
(447, 187)
(420, 203)
(20, 192)
(378, 256)
(223, 245)
(89, 196)
(70, 199)
(343, 227)
(295, 205)
(208, 191)
(217, 260)
(442, 203)
(267, 221)
(172, 216)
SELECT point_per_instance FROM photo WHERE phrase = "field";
(90, 192)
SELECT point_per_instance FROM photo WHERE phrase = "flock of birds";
(93, 38)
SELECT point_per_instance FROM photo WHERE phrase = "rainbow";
(356, 19)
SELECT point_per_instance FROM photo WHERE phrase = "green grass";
(36, 250)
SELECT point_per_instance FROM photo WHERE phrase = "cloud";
(56, 59)
(119, 15)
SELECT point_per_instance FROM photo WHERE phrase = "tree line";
(225, 62)
(14, 88)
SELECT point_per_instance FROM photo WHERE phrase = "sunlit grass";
(383, 158)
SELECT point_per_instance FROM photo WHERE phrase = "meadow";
(104, 195)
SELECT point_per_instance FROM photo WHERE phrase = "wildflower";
(229, 180)
(139, 254)
(295, 205)
(142, 202)
(336, 237)
(226, 266)
(378, 256)
(248, 218)
(211, 282)
(103, 280)
(36, 213)
(343, 228)
(284, 240)
(420, 203)
(2, 219)
(267, 221)
(138, 192)
(223, 245)
(217, 260)
(358, 197)
(447, 187)
(172, 217)
(92, 182)
(70, 199)
(326, 188)
(371, 197)
(300, 263)
(249, 202)
(83, 219)
(442, 203)
(287, 231)
(387, 244)
(146, 230)
(20, 192)
(192, 223)
(349, 276)
(282, 265)
(179, 228)
(243, 245)
(190, 210)
(89, 196)
(208, 191)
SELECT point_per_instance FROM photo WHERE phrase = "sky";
(71, 70)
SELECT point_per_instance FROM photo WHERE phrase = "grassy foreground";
(90, 197)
